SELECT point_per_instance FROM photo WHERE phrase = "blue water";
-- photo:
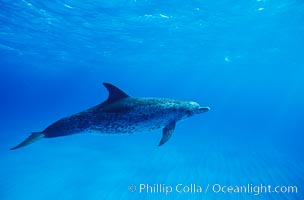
(244, 59)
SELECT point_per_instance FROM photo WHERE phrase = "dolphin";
(122, 114)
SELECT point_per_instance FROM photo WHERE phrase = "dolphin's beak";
(204, 109)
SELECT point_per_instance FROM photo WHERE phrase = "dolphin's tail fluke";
(32, 138)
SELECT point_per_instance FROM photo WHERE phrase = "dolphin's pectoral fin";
(115, 93)
(32, 138)
(167, 133)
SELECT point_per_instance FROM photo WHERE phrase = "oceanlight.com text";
(212, 188)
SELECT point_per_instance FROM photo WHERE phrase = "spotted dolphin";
(122, 114)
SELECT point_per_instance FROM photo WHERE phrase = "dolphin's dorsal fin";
(115, 93)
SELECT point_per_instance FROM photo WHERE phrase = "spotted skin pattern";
(125, 116)
(122, 114)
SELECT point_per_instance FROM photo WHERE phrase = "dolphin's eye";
(188, 112)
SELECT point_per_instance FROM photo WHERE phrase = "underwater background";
(244, 59)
